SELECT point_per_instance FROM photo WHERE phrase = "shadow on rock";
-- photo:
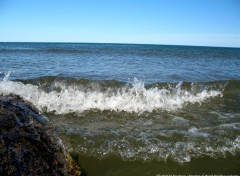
(27, 145)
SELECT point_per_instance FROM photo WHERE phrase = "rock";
(73, 168)
(27, 145)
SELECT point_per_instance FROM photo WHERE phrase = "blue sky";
(177, 22)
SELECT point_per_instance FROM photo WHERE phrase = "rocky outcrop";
(27, 145)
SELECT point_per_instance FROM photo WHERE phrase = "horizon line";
(113, 43)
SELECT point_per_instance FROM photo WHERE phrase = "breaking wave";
(61, 97)
(138, 122)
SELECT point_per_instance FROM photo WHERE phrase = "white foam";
(134, 98)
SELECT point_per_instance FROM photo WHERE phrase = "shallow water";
(134, 109)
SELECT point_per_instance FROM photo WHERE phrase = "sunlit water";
(152, 109)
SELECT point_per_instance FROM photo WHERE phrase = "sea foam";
(133, 97)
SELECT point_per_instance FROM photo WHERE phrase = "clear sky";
(177, 22)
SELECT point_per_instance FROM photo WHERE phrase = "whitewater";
(133, 97)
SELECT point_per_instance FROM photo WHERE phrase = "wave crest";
(133, 97)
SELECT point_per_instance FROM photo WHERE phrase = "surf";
(62, 97)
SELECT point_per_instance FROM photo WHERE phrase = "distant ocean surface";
(134, 109)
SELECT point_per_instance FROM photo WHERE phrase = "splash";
(6, 77)
(133, 97)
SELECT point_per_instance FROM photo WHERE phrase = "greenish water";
(117, 167)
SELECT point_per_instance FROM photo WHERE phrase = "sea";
(134, 109)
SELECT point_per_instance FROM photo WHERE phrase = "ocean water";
(134, 109)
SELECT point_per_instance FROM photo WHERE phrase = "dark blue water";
(151, 63)
(142, 110)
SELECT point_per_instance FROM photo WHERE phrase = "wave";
(138, 122)
(66, 95)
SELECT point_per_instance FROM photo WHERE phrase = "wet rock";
(27, 145)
